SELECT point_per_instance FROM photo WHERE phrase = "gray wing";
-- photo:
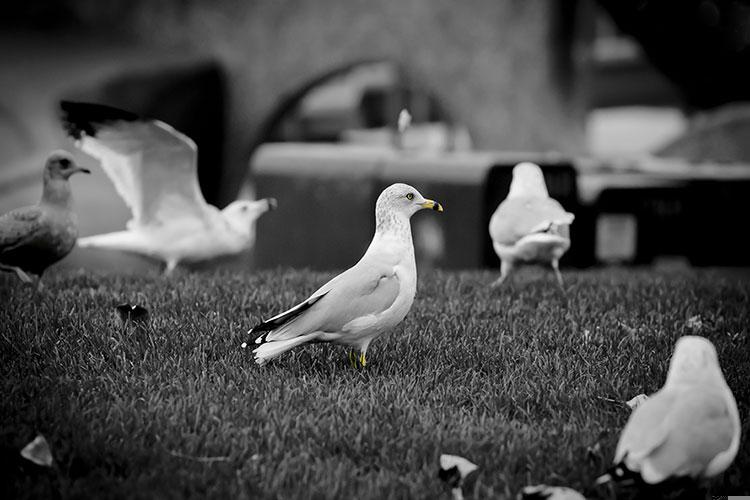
(20, 226)
(517, 217)
(362, 291)
(152, 165)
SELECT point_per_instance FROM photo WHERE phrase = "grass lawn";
(509, 380)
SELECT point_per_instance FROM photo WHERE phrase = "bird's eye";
(410, 196)
(65, 162)
(244, 208)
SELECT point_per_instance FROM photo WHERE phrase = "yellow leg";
(357, 361)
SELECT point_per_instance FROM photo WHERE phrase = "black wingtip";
(84, 118)
(619, 473)
(260, 333)
(451, 476)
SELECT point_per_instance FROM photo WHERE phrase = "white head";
(694, 360)
(528, 180)
(397, 203)
(242, 214)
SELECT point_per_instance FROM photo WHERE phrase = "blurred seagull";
(544, 492)
(453, 471)
(688, 429)
(404, 122)
(35, 237)
(529, 226)
(153, 168)
(364, 301)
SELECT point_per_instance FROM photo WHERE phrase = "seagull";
(404, 120)
(529, 226)
(544, 492)
(403, 123)
(362, 302)
(153, 168)
(35, 237)
(453, 471)
(688, 429)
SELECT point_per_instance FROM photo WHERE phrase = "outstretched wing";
(19, 226)
(349, 301)
(152, 165)
(522, 216)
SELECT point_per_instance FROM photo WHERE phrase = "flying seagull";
(364, 301)
(153, 168)
(529, 226)
(688, 429)
(35, 237)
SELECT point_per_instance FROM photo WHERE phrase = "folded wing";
(152, 165)
(350, 300)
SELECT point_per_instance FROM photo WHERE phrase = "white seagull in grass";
(688, 429)
(154, 169)
(364, 301)
(529, 226)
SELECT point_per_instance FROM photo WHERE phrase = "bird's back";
(677, 432)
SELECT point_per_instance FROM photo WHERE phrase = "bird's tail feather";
(552, 225)
(272, 349)
(119, 240)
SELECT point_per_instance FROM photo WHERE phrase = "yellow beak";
(433, 205)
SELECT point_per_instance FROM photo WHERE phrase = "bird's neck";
(57, 193)
(393, 237)
(392, 225)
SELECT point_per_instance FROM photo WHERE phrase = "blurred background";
(636, 110)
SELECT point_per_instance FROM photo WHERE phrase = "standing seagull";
(364, 301)
(690, 428)
(529, 226)
(153, 168)
(35, 237)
